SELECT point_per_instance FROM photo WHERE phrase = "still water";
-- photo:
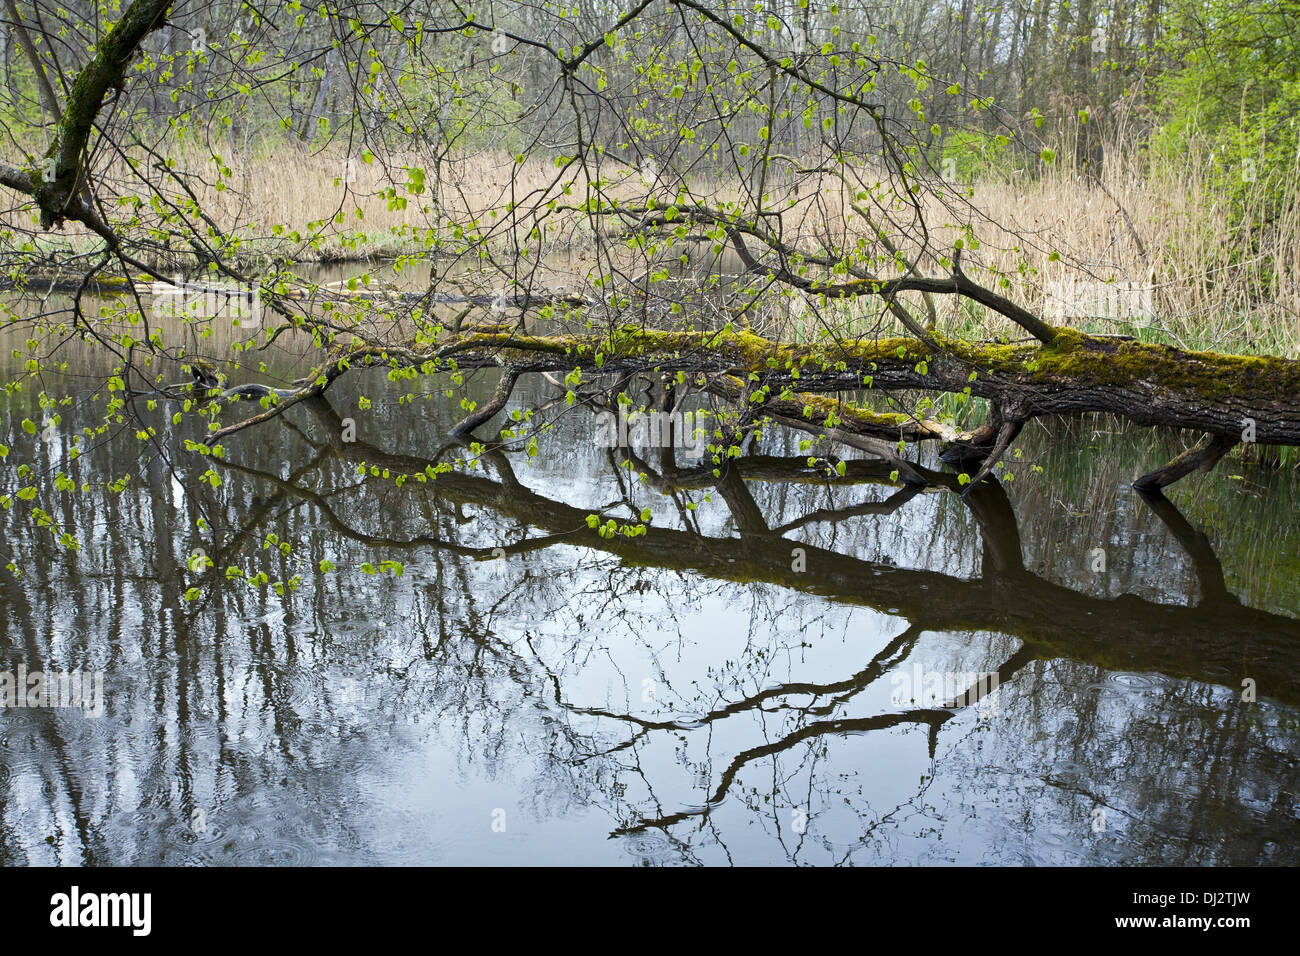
(786, 668)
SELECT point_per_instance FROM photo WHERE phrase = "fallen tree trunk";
(1146, 384)
(1229, 398)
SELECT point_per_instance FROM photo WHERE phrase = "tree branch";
(49, 102)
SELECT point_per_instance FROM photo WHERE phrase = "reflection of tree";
(1051, 621)
(469, 657)
(1129, 632)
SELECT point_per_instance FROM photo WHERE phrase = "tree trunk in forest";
(49, 102)
(60, 187)
(324, 87)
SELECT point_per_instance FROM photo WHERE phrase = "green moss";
(1208, 375)
(823, 406)
(1073, 358)
(901, 349)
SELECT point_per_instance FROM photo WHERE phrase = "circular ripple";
(194, 834)
(1139, 681)
(18, 751)
(151, 830)
(11, 718)
(201, 732)
(1105, 689)
(273, 852)
(316, 728)
(651, 849)
(92, 729)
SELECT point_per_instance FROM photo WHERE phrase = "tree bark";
(1222, 395)
(64, 195)
(1229, 398)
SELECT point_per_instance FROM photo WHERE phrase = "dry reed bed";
(1162, 232)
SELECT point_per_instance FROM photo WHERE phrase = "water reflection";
(721, 689)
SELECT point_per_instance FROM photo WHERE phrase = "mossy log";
(1229, 398)
(1147, 384)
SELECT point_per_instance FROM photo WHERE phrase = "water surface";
(743, 684)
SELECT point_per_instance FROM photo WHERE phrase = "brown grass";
(1202, 292)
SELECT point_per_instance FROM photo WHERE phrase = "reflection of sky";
(381, 719)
